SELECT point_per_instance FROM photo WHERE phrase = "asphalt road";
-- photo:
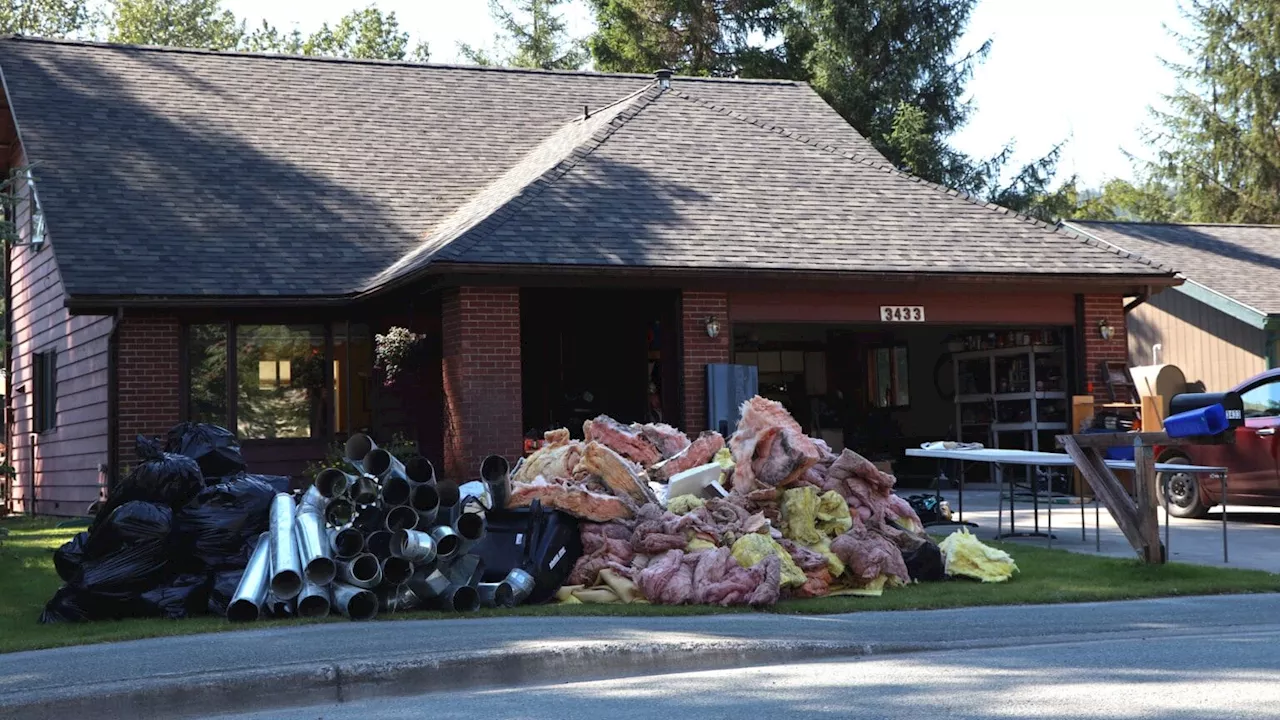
(1218, 675)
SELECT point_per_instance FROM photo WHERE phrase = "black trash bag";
(544, 542)
(68, 558)
(129, 552)
(215, 449)
(65, 606)
(222, 588)
(177, 599)
(926, 506)
(214, 528)
(925, 562)
(159, 477)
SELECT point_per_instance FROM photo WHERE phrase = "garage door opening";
(880, 390)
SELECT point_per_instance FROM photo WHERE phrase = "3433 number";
(902, 313)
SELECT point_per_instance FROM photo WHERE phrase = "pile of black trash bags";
(173, 538)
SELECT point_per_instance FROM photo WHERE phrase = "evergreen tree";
(693, 37)
(531, 34)
(1218, 144)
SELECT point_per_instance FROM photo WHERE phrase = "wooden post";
(1081, 410)
(1152, 421)
(1144, 487)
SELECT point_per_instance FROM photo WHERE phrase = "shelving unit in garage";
(1011, 397)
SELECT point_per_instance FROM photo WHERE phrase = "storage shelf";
(1006, 352)
(1028, 426)
(1008, 397)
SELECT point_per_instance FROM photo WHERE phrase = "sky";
(1084, 71)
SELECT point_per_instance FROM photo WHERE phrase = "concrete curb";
(267, 688)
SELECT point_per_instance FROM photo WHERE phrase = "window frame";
(895, 387)
(329, 427)
(1273, 381)
(44, 391)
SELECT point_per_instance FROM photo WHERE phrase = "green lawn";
(1047, 576)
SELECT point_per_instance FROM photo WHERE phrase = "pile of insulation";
(768, 515)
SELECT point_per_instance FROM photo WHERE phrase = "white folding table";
(998, 457)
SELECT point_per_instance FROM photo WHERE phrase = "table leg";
(1084, 525)
(937, 495)
(1013, 530)
(1097, 525)
(1224, 519)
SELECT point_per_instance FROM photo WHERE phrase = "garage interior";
(880, 389)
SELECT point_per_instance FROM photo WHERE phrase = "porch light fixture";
(1105, 329)
(713, 327)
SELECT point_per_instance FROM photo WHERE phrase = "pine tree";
(1218, 143)
(531, 34)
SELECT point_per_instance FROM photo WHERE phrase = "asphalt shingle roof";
(176, 173)
(1241, 262)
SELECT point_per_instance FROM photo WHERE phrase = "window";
(44, 390)
(887, 377)
(290, 381)
(1262, 400)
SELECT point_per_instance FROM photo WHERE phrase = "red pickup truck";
(1253, 460)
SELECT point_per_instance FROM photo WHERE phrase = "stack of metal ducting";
(378, 534)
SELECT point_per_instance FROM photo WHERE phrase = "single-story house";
(1222, 325)
(219, 237)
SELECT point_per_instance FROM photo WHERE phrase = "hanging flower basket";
(399, 353)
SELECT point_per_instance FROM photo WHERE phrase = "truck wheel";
(1182, 491)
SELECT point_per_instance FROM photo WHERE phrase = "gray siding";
(57, 471)
(1207, 344)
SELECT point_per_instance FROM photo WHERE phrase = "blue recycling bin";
(1208, 420)
(1124, 452)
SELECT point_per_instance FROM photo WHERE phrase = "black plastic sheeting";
(171, 541)
(925, 563)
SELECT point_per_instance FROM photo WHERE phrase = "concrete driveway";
(1253, 534)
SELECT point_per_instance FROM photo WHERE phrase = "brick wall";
(148, 380)
(1097, 350)
(480, 330)
(699, 350)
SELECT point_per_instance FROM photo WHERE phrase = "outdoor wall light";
(713, 327)
(1105, 330)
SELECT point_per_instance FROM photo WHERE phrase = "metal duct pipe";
(286, 563)
(448, 493)
(401, 517)
(333, 482)
(313, 499)
(413, 546)
(420, 470)
(338, 512)
(396, 571)
(458, 598)
(358, 447)
(446, 540)
(378, 544)
(363, 571)
(470, 529)
(251, 593)
(277, 608)
(397, 599)
(496, 473)
(370, 518)
(313, 601)
(346, 543)
(383, 465)
(364, 490)
(313, 547)
(496, 595)
(395, 492)
(521, 583)
(355, 603)
(426, 501)
(428, 583)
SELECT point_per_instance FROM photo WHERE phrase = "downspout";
(113, 402)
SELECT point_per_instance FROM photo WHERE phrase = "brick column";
(148, 382)
(1097, 350)
(699, 350)
(480, 330)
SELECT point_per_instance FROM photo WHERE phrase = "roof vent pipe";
(664, 77)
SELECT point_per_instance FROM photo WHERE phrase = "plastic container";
(1208, 420)
(1123, 452)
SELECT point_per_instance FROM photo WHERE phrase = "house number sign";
(901, 313)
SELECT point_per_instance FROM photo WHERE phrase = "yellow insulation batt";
(963, 554)
(751, 549)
